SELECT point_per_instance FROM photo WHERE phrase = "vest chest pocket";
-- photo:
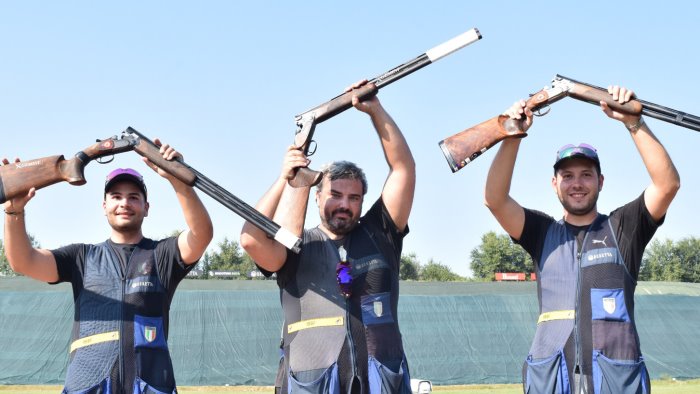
(609, 304)
(154, 369)
(376, 309)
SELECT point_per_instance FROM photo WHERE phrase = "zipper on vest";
(123, 269)
(577, 305)
(351, 342)
(121, 335)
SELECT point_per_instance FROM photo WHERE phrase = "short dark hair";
(343, 170)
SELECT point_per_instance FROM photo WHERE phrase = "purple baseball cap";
(583, 151)
(125, 175)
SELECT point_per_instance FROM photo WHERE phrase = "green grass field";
(665, 386)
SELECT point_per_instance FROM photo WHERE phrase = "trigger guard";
(310, 151)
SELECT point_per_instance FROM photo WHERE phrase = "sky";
(221, 81)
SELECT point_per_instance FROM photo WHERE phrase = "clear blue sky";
(222, 81)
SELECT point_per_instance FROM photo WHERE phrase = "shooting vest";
(586, 298)
(328, 338)
(120, 325)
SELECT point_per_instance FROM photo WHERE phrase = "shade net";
(228, 332)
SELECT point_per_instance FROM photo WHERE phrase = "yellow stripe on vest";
(311, 323)
(94, 339)
(556, 315)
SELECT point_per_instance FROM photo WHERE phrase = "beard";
(339, 226)
(580, 208)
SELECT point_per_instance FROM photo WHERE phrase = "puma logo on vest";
(601, 241)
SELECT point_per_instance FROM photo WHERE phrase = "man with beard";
(340, 294)
(587, 263)
(122, 287)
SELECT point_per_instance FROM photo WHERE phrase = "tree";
(410, 267)
(434, 271)
(669, 261)
(498, 253)
(228, 258)
(689, 253)
(5, 269)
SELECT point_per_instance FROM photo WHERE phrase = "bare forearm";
(656, 159)
(266, 252)
(195, 214)
(500, 174)
(396, 150)
(22, 256)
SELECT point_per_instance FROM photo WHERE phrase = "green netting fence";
(227, 332)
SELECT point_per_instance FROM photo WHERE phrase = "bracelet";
(635, 126)
(14, 213)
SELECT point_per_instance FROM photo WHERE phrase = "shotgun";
(464, 147)
(307, 121)
(192, 177)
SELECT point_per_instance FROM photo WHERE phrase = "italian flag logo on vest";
(149, 333)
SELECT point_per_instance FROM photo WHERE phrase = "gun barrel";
(250, 214)
(656, 111)
(430, 56)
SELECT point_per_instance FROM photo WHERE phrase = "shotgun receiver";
(464, 147)
(188, 175)
(17, 178)
(307, 121)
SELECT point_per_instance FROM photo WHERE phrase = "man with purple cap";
(587, 263)
(122, 287)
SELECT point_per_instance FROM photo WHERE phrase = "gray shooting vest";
(330, 340)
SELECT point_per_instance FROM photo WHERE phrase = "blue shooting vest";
(120, 325)
(586, 298)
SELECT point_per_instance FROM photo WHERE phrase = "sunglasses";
(581, 150)
(343, 275)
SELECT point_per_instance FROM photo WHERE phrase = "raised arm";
(194, 240)
(25, 259)
(400, 184)
(286, 205)
(665, 180)
(505, 209)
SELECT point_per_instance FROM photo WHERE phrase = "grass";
(664, 386)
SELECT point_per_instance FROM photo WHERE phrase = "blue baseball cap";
(125, 175)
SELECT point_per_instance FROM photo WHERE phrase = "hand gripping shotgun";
(306, 122)
(464, 147)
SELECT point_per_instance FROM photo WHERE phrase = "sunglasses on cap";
(582, 150)
(343, 273)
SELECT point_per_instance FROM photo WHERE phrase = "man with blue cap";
(587, 263)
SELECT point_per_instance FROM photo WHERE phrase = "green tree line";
(663, 261)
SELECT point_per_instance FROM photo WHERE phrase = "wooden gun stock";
(18, 178)
(463, 147)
